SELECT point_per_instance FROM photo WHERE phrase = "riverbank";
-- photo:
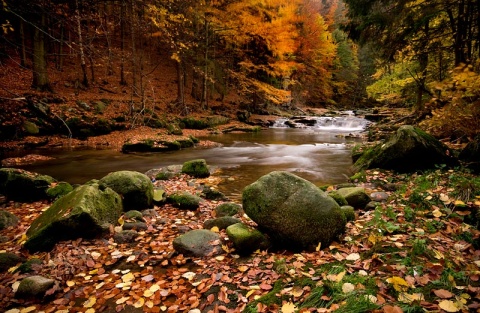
(418, 249)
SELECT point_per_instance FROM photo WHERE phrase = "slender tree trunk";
(205, 70)
(459, 43)
(40, 73)
(23, 55)
(134, 53)
(60, 49)
(80, 45)
(180, 84)
(122, 44)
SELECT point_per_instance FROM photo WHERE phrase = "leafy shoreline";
(413, 251)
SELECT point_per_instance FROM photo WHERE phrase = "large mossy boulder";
(23, 186)
(135, 188)
(196, 168)
(470, 155)
(34, 287)
(198, 242)
(292, 211)
(86, 212)
(408, 150)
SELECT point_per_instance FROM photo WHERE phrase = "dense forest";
(290, 53)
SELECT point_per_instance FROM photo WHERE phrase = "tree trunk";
(60, 49)
(23, 56)
(205, 70)
(134, 56)
(80, 46)
(39, 59)
(180, 84)
(122, 44)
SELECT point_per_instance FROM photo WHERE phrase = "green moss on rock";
(196, 168)
(184, 201)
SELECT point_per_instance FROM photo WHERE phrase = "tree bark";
(180, 84)
(39, 59)
(23, 56)
(122, 44)
(80, 45)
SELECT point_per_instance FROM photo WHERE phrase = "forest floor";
(417, 251)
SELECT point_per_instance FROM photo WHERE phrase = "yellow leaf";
(409, 298)
(121, 221)
(437, 213)
(13, 311)
(29, 309)
(128, 277)
(250, 293)
(288, 307)
(91, 310)
(437, 254)
(243, 268)
(122, 300)
(336, 278)
(139, 303)
(148, 293)
(459, 203)
(22, 239)
(399, 284)
(318, 247)
(449, 306)
(220, 258)
(154, 288)
(149, 304)
(215, 229)
(90, 302)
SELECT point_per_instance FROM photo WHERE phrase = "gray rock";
(135, 226)
(210, 193)
(29, 265)
(355, 196)
(372, 205)
(196, 168)
(408, 150)
(228, 209)
(379, 196)
(134, 215)
(221, 222)
(86, 212)
(185, 201)
(8, 260)
(34, 287)
(24, 186)
(135, 188)
(125, 236)
(292, 211)
(199, 242)
(7, 219)
(245, 239)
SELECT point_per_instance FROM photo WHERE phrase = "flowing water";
(318, 151)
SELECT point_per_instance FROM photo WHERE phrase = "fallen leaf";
(90, 302)
(448, 306)
(348, 287)
(288, 307)
(139, 303)
(122, 300)
(353, 257)
(29, 309)
(409, 298)
(442, 293)
(392, 309)
(399, 284)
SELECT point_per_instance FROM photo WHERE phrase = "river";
(320, 153)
